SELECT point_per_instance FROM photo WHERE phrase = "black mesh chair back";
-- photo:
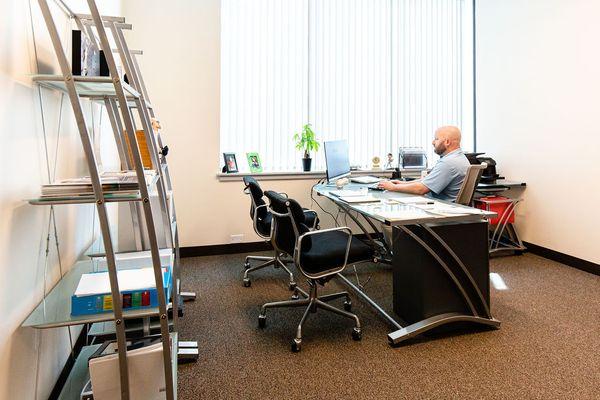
(289, 224)
(258, 207)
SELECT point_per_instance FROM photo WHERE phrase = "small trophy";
(376, 160)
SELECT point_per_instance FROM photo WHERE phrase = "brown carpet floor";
(548, 346)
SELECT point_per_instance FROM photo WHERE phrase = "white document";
(129, 279)
(402, 215)
(448, 210)
(146, 375)
(413, 200)
(359, 199)
(349, 192)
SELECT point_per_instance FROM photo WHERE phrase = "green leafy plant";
(306, 141)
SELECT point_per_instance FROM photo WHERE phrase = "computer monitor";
(337, 160)
(412, 158)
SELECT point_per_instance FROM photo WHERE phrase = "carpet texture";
(548, 346)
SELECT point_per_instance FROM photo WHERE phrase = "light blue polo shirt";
(446, 177)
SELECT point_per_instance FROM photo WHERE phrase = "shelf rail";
(118, 105)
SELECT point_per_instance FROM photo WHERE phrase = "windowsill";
(300, 175)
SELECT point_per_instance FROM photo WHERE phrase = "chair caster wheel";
(247, 282)
(262, 321)
(356, 334)
(292, 286)
(348, 305)
(296, 345)
(246, 265)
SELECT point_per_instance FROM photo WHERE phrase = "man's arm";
(415, 187)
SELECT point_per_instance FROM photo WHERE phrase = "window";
(380, 73)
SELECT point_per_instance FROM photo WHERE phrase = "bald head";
(447, 139)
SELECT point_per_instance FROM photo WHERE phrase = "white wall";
(31, 360)
(538, 92)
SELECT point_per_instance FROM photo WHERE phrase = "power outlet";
(236, 238)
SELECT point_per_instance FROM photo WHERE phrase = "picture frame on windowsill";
(231, 165)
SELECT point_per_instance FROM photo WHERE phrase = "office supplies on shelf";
(122, 183)
(137, 286)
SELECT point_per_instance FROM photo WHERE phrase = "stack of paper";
(448, 210)
(412, 200)
(359, 199)
(124, 183)
(129, 280)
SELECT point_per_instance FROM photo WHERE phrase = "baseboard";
(217, 249)
(562, 258)
(64, 374)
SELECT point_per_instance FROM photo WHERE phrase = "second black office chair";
(318, 255)
(261, 222)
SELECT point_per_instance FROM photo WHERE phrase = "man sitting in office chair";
(446, 177)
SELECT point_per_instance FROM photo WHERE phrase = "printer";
(489, 174)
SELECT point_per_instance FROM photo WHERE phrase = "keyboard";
(374, 186)
(365, 179)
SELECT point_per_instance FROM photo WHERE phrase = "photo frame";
(254, 162)
(230, 163)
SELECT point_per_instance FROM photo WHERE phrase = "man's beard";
(439, 150)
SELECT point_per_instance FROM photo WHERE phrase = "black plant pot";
(306, 164)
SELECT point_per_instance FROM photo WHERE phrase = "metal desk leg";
(417, 328)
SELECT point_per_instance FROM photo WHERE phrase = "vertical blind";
(382, 74)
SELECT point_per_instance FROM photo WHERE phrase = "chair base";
(275, 261)
(312, 303)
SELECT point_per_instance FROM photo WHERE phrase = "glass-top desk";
(438, 247)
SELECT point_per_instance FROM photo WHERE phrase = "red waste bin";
(497, 204)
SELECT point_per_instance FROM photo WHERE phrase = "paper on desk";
(412, 199)
(448, 210)
(129, 280)
(348, 192)
(400, 215)
(359, 199)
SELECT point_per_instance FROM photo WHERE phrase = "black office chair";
(261, 222)
(318, 255)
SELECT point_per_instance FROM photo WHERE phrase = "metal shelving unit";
(126, 105)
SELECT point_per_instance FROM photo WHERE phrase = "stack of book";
(122, 183)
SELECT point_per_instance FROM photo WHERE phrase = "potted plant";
(306, 141)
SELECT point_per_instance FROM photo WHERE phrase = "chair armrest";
(316, 218)
(298, 247)
(255, 221)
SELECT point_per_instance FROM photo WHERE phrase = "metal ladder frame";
(116, 114)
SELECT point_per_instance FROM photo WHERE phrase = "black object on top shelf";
(86, 58)
(489, 174)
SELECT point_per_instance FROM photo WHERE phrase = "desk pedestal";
(440, 277)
